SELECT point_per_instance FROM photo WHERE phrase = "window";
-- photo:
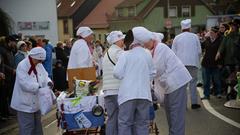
(172, 12)
(186, 11)
(65, 26)
(100, 37)
(105, 37)
(131, 11)
(120, 12)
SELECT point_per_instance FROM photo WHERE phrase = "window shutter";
(192, 10)
(165, 12)
(179, 11)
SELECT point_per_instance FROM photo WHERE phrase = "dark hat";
(45, 41)
(236, 21)
(226, 25)
(232, 23)
(215, 29)
(13, 38)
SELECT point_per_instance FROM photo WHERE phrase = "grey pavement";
(198, 122)
(201, 122)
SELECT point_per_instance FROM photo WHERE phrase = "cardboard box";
(80, 74)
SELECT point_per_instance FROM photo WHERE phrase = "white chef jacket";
(26, 87)
(188, 48)
(135, 70)
(171, 73)
(80, 56)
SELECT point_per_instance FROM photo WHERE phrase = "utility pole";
(168, 29)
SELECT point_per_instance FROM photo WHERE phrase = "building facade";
(70, 14)
(159, 15)
(33, 17)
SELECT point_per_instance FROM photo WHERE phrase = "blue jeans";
(207, 74)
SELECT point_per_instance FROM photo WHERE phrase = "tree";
(5, 23)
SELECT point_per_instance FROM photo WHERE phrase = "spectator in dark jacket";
(3, 92)
(6, 48)
(68, 47)
(209, 64)
(61, 54)
(59, 77)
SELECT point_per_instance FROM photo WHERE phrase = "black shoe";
(3, 119)
(196, 106)
(219, 96)
(12, 115)
(199, 85)
(205, 98)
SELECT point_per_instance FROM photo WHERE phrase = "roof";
(66, 8)
(98, 16)
(221, 5)
(205, 2)
(129, 3)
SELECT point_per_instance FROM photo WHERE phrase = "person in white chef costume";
(30, 77)
(135, 70)
(187, 47)
(80, 55)
(171, 79)
(111, 84)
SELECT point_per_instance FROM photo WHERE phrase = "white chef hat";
(158, 36)
(20, 43)
(185, 24)
(84, 31)
(141, 35)
(115, 36)
(38, 53)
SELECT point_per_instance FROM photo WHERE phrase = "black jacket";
(59, 78)
(61, 55)
(210, 50)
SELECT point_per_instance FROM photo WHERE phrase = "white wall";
(33, 11)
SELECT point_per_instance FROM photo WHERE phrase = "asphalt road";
(217, 120)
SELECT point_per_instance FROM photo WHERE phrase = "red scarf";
(32, 68)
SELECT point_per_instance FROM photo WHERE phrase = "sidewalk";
(10, 127)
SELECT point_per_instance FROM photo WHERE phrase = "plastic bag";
(46, 99)
(159, 92)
